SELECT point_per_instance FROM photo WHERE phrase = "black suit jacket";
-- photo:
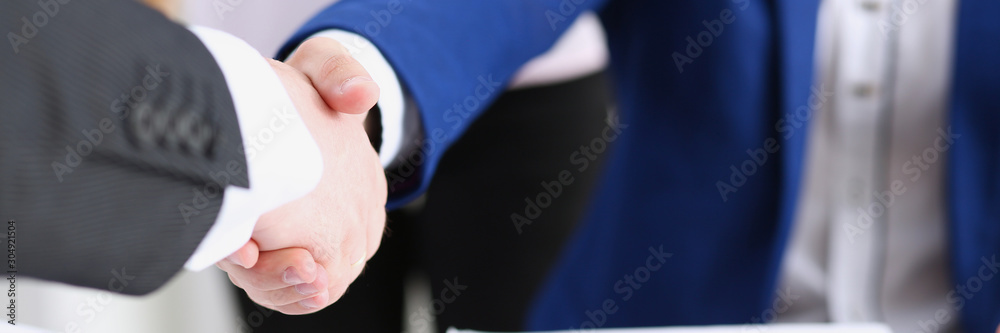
(117, 136)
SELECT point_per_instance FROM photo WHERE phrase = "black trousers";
(484, 268)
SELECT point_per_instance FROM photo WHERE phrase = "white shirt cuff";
(390, 101)
(283, 160)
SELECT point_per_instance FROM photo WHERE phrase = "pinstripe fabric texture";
(117, 134)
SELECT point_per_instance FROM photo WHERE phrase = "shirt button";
(870, 5)
(863, 90)
(855, 192)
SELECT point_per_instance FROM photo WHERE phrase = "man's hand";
(340, 80)
(339, 224)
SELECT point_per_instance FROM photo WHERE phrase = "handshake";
(303, 255)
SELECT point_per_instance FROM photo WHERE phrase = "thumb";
(340, 79)
(246, 256)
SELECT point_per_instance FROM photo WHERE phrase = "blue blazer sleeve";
(453, 57)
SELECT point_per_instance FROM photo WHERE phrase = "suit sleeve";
(453, 57)
(117, 138)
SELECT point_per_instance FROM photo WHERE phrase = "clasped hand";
(303, 255)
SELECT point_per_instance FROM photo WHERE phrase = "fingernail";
(306, 289)
(234, 258)
(292, 277)
(352, 82)
(309, 303)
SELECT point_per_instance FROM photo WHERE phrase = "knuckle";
(335, 64)
(310, 44)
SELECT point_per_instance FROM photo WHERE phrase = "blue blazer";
(698, 84)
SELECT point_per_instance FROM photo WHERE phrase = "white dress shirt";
(283, 160)
(888, 62)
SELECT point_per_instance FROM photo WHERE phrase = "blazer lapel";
(796, 30)
(973, 165)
